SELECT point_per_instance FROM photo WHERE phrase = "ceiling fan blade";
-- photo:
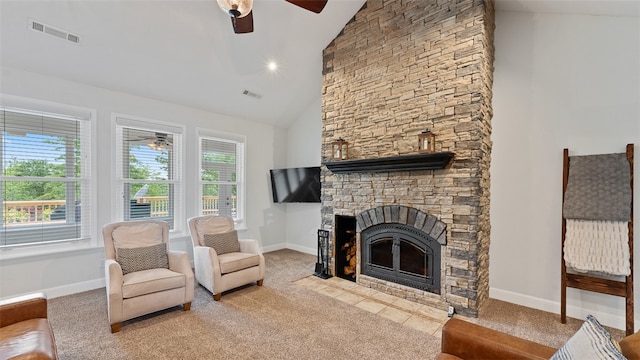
(140, 138)
(312, 5)
(244, 24)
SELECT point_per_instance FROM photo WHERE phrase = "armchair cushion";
(151, 281)
(237, 261)
(142, 258)
(223, 243)
(211, 225)
(131, 236)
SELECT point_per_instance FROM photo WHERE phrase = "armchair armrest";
(250, 246)
(205, 255)
(23, 308)
(179, 262)
(113, 277)
(113, 282)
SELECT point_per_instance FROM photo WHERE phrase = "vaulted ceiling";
(181, 51)
(185, 51)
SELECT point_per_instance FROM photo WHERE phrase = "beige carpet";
(532, 324)
(280, 320)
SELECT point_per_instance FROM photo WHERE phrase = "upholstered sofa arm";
(466, 340)
(631, 346)
(25, 331)
(23, 308)
(249, 246)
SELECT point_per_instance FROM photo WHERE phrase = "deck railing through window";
(15, 213)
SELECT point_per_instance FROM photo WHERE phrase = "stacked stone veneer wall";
(396, 69)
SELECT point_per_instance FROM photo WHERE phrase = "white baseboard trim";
(270, 248)
(605, 318)
(303, 249)
(65, 290)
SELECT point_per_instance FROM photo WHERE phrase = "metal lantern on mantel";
(426, 142)
(340, 150)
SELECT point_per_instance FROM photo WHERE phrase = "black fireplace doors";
(401, 254)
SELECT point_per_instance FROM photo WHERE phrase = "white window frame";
(88, 238)
(241, 181)
(121, 121)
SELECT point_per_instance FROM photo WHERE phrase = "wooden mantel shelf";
(426, 161)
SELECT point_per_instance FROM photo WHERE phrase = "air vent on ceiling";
(47, 29)
(251, 94)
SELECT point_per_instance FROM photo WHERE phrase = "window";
(46, 178)
(222, 176)
(148, 171)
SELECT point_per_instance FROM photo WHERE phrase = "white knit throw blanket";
(597, 246)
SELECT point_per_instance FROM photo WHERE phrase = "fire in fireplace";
(401, 254)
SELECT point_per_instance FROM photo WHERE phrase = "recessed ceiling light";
(272, 66)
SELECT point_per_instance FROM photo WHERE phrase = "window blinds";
(149, 172)
(222, 176)
(45, 180)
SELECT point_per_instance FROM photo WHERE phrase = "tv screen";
(296, 185)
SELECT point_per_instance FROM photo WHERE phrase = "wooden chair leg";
(186, 306)
(115, 328)
(260, 282)
(217, 296)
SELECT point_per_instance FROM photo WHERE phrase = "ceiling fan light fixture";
(236, 8)
(156, 145)
(160, 143)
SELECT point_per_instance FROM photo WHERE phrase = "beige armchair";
(219, 266)
(142, 275)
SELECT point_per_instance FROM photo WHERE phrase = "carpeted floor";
(280, 320)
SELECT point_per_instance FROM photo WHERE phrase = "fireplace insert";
(401, 254)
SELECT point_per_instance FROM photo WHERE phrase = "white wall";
(64, 273)
(303, 149)
(560, 81)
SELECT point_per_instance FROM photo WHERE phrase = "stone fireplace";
(396, 69)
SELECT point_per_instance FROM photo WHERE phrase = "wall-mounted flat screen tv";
(296, 185)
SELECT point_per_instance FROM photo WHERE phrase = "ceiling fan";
(242, 15)
(159, 141)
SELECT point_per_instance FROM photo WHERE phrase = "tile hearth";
(417, 316)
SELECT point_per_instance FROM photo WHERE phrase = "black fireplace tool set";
(322, 265)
